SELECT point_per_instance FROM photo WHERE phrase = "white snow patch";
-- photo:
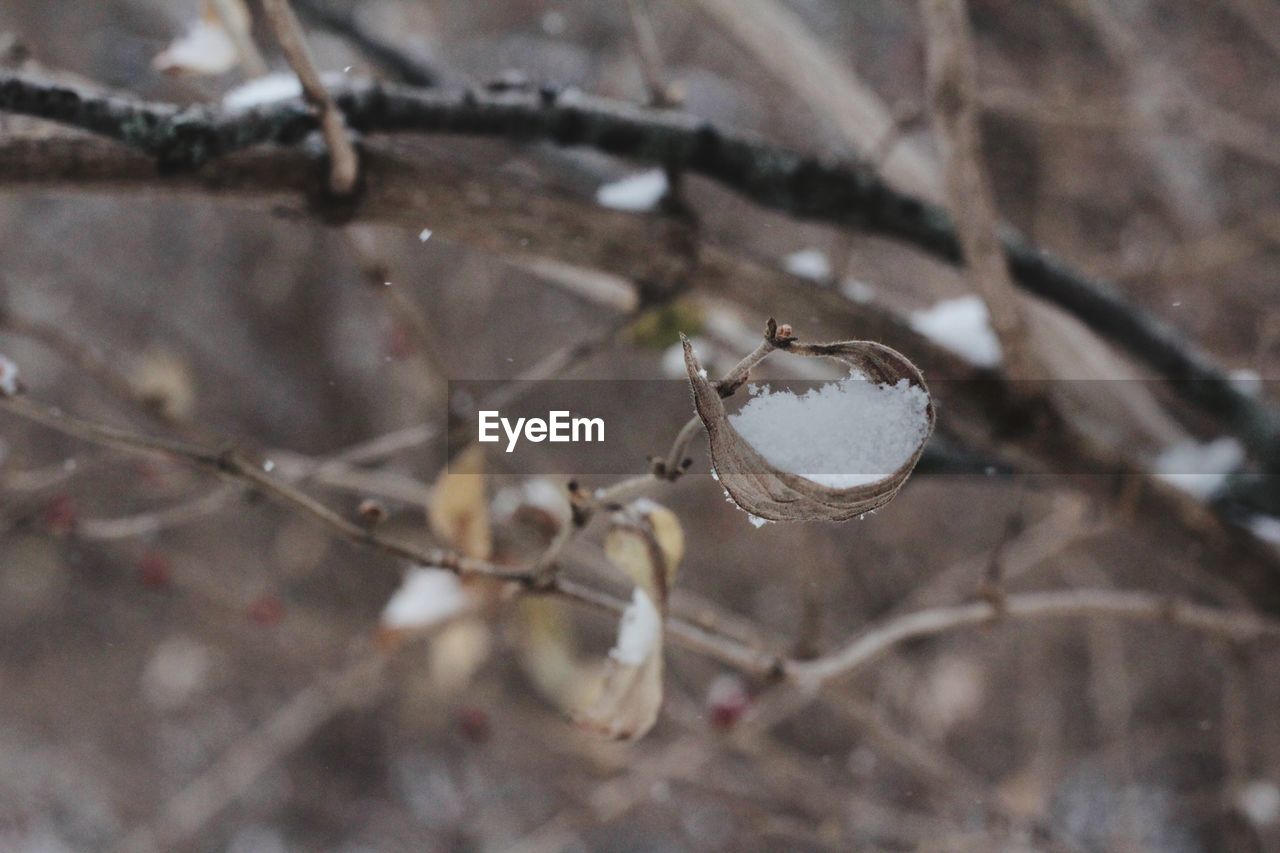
(273, 88)
(1247, 380)
(268, 89)
(176, 673)
(424, 235)
(635, 193)
(757, 521)
(963, 326)
(539, 493)
(205, 48)
(554, 23)
(857, 290)
(645, 506)
(808, 263)
(638, 632)
(9, 386)
(426, 598)
(1260, 801)
(1266, 528)
(1199, 469)
(840, 434)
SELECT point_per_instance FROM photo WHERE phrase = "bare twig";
(781, 43)
(405, 68)
(661, 93)
(236, 21)
(952, 83)
(1032, 606)
(344, 165)
(809, 674)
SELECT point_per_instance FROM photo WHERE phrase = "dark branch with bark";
(847, 194)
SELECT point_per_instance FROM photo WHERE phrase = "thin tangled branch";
(777, 178)
(952, 83)
(809, 674)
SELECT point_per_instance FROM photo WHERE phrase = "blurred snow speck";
(808, 263)
(8, 377)
(554, 23)
(205, 48)
(177, 672)
(636, 193)
(269, 89)
(857, 290)
(1260, 802)
(1199, 469)
(963, 326)
(1247, 380)
(426, 598)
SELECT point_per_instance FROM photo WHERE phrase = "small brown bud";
(371, 512)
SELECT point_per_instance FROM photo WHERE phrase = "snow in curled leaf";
(832, 454)
(630, 694)
(639, 632)
(638, 193)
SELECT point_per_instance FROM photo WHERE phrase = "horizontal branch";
(844, 194)
(1134, 606)
(871, 643)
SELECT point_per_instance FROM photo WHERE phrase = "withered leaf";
(768, 492)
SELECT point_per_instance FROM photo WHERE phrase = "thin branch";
(236, 21)
(344, 166)
(235, 465)
(952, 82)
(652, 67)
(405, 68)
(1033, 606)
(849, 195)
(809, 674)
(778, 40)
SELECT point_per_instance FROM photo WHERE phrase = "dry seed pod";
(775, 493)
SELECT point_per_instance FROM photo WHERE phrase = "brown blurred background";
(1137, 138)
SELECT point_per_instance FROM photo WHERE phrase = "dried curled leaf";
(458, 509)
(646, 542)
(768, 491)
(546, 652)
(631, 692)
